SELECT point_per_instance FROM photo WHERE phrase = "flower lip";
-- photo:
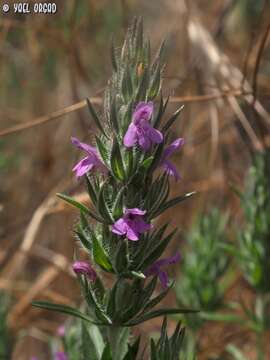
(155, 268)
(135, 211)
(169, 150)
(131, 224)
(140, 131)
(88, 163)
(82, 146)
(143, 112)
(173, 147)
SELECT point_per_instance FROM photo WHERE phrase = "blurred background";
(218, 66)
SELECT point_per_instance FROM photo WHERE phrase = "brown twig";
(258, 62)
(97, 100)
(46, 118)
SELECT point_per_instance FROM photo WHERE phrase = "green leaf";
(121, 257)
(157, 251)
(102, 206)
(121, 345)
(143, 86)
(92, 342)
(155, 84)
(156, 313)
(117, 165)
(220, 317)
(100, 255)
(132, 350)
(84, 241)
(154, 354)
(73, 202)
(106, 355)
(117, 208)
(161, 111)
(113, 116)
(91, 190)
(95, 117)
(79, 206)
(173, 202)
(103, 152)
(127, 88)
(172, 119)
(147, 162)
(113, 56)
(156, 300)
(235, 352)
(63, 309)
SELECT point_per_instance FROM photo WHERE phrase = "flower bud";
(84, 268)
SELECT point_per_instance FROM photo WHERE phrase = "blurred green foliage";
(253, 250)
(5, 338)
(203, 266)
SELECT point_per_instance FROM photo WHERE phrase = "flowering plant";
(127, 175)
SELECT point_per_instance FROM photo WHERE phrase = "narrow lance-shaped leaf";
(63, 309)
(79, 206)
(91, 190)
(102, 205)
(117, 165)
(157, 313)
(113, 56)
(173, 202)
(155, 84)
(102, 150)
(100, 256)
(172, 119)
(95, 117)
(117, 209)
(132, 350)
(114, 117)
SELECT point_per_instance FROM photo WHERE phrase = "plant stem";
(113, 333)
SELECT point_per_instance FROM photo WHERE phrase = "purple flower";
(131, 224)
(61, 356)
(155, 269)
(84, 268)
(88, 163)
(140, 130)
(167, 165)
(61, 330)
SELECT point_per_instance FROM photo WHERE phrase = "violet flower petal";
(83, 166)
(143, 111)
(120, 227)
(82, 146)
(132, 234)
(173, 147)
(144, 141)
(154, 269)
(141, 226)
(170, 169)
(130, 138)
(61, 356)
(155, 135)
(168, 261)
(135, 211)
(163, 277)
